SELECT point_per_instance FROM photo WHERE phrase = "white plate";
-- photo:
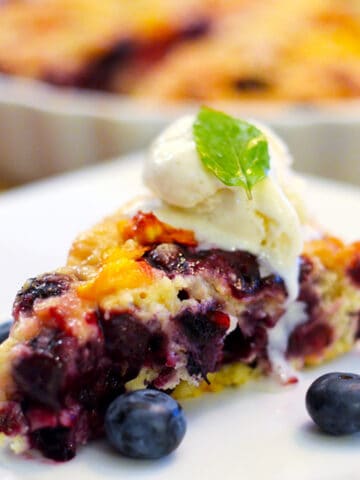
(261, 432)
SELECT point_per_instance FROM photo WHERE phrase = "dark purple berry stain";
(196, 29)
(316, 334)
(204, 338)
(250, 85)
(123, 54)
(309, 338)
(306, 268)
(99, 385)
(239, 269)
(183, 295)
(158, 349)
(55, 443)
(98, 75)
(39, 378)
(168, 257)
(132, 344)
(246, 348)
(12, 420)
(354, 271)
(45, 286)
(96, 385)
(126, 342)
(46, 368)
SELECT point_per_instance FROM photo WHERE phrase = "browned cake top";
(194, 49)
(297, 51)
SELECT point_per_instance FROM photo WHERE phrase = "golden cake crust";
(300, 51)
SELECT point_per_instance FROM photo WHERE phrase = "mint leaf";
(232, 149)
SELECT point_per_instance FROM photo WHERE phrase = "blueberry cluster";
(144, 424)
(149, 424)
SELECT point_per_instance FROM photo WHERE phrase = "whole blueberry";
(4, 331)
(145, 424)
(333, 402)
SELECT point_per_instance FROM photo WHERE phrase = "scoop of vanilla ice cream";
(173, 169)
(267, 225)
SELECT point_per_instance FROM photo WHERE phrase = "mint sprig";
(232, 149)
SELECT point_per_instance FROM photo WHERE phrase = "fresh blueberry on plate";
(4, 331)
(145, 424)
(333, 402)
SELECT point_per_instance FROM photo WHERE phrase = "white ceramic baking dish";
(46, 130)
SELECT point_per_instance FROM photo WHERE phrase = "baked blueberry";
(145, 424)
(56, 443)
(333, 402)
(42, 287)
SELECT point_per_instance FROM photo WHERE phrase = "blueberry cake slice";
(139, 304)
(147, 301)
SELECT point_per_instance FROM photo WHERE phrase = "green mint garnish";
(232, 149)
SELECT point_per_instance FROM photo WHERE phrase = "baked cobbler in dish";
(190, 50)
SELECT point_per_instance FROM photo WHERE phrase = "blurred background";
(82, 81)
